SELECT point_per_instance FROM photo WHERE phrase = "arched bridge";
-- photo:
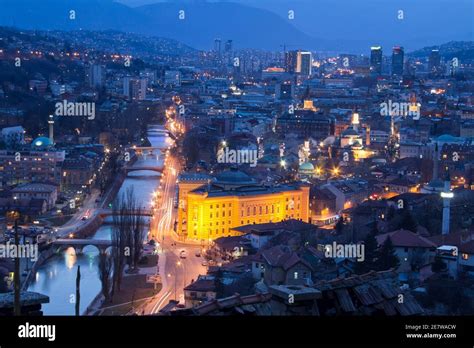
(141, 212)
(79, 244)
(152, 168)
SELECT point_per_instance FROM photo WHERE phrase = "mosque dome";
(233, 177)
(306, 167)
(41, 142)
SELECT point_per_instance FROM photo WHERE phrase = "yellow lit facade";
(212, 211)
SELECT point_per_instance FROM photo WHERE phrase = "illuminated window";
(465, 256)
(295, 275)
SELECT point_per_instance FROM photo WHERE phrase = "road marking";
(158, 305)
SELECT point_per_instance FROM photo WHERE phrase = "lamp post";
(16, 275)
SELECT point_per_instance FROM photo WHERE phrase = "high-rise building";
(299, 62)
(397, 60)
(134, 88)
(291, 61)
(434, 62)
(305, 63)
(376, 60)
(217, 46)
(228, 46)
(95, 75)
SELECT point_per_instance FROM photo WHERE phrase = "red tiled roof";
(405, 238)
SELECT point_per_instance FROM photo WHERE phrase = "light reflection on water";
(57, 277)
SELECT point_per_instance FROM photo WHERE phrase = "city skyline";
(180, 162)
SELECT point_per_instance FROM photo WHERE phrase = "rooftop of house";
(366, 293)
(281, 256)
(229, 243)
(202, 284)
(405, 238)
(35, 187)
(463, 240)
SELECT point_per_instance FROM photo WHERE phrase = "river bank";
(54, 275)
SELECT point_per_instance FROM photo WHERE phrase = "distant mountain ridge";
(336, 25)
(202, 23)
(449, 50)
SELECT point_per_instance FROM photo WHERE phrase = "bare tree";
(127, 235)
(139, 235)
(105, 274)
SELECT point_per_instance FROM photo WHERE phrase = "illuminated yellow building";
(233, 199)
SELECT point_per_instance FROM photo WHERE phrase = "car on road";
(182, 254)
(198, 253)
(204, 263)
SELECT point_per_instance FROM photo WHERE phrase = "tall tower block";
(51, 129)
(447, 195)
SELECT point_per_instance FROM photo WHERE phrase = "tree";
(139, 234)
(339, 225)
(370, 251)
(78, 290)
(105, 273)
(438, 265)
(386, 257)
(408, 222)
(128, 234)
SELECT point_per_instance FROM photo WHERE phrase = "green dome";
(234, 176)
(41, 142)
(306, 166)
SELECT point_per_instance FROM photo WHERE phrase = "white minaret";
(355, 121)
(51, 129)
(447, 195)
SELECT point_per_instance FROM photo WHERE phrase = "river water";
(56, 278)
